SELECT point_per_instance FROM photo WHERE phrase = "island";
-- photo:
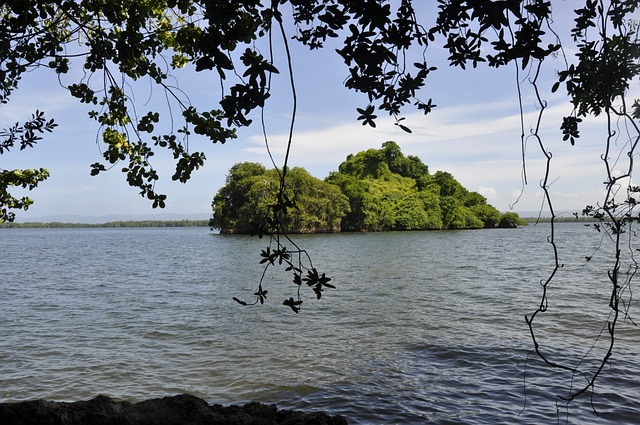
(373, 190)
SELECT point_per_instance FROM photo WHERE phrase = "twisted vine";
(598, 85)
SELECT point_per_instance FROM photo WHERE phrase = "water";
(424, 327)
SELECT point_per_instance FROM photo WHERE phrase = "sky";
(474, 133)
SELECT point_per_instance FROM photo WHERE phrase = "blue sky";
(474, 133)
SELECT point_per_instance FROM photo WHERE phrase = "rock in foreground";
(175, 410)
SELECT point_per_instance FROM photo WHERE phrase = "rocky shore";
(175, 410)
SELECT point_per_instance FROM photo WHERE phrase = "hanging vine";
(296, 260)
(597, 85)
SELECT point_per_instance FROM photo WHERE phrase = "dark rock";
(176, 410)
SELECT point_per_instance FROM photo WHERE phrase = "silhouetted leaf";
(204, 63)
(239, 301)
(295, 305)
(261, 294)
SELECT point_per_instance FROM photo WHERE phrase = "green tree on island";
(374, 190)
(388, 191)
(245, 201)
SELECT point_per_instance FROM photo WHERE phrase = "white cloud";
(488, 192)
(479, 144)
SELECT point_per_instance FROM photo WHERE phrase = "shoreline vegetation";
(109, 224)
(205, 223)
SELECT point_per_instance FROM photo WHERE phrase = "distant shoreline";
(532, 220)
(204, 223)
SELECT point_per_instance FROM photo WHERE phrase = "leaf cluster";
(607, 60)
(25, 135)
(28, 179)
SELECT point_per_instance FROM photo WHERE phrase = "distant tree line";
(572, 219)
(131, 223)
(374, 190)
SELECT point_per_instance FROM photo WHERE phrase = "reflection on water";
(424, 327)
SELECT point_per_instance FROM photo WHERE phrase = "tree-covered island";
(373, 190)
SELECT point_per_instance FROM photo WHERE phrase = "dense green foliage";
(25, 136)
(246, 202)
(379, 189)
(388, 191)
(510, 219)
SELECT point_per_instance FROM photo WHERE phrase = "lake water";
(424, 327)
